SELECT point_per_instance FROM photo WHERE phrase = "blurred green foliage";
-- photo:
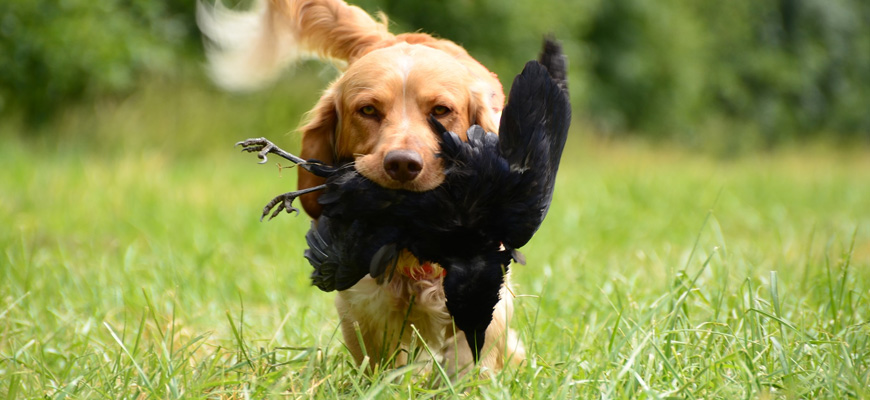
(745, 72)
(55, 52)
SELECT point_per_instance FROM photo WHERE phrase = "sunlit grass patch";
(133, 264)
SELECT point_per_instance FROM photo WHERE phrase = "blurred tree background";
(739, 73)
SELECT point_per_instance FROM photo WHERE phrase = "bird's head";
(472, 289)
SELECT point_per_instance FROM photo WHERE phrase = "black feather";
(554, 59)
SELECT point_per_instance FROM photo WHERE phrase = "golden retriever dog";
(374, 115)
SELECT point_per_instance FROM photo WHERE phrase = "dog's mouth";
(402, 170)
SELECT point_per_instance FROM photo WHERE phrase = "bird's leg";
(285, 202)
(263, 146)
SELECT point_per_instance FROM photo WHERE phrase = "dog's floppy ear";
(318, 142)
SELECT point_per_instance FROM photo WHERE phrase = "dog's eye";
(440, 110)
(369, 111)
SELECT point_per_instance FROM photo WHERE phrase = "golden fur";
(377, 107)
(385, 312)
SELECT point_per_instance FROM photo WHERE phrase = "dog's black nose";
(403, 165)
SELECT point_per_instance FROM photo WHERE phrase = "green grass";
(134, 265)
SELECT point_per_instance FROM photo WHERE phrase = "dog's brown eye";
(440, 110)
(369, 111)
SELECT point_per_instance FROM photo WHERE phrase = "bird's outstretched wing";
(357, 234)
(532, 135)
(343, 252)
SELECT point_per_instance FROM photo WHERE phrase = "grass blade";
(132, 359)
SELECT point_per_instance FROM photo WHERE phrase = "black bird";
(496, 193)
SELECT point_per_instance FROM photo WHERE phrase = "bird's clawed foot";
(285, 202)
(263, 146)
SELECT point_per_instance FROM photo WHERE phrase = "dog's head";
(375, 114)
